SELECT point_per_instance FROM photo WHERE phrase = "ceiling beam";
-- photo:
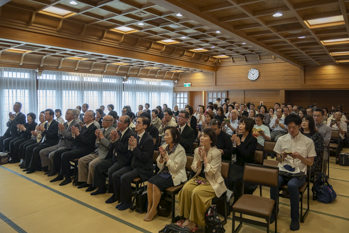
(344, 12)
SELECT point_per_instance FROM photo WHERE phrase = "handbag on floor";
(324, 191)
(4, 158)
(173, 228)
(213, 223)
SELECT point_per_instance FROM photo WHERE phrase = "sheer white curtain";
(61, 90)
(153, 91)
(16, 85)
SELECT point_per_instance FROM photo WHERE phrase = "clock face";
(253, 74)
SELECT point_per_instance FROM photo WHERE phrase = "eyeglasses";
(180, 116)
(106, 120)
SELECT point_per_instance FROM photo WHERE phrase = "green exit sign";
(187, 84)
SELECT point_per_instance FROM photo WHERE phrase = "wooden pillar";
(282, 96)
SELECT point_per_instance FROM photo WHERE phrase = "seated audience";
(84, 144)
(253, 107)
(49, 134)
(66, 141)
(187, 133)
(237, 106)
(192, 119)
(161, 114)
(102, 108)
(58, 114)
(211, 110)
(140, 149)
(208, 117)
(24, 135)
(99, 117)
(84, 109)
(164, 107)
(341, 127)
(227, 101)
(302, 155)
(277, 126)
(114, 161)
(309, 111)
(171, 162)
(230, 108)
(79, 108)
(252, 114)
(175, 111)
(110, 107)
(286, 112)
(271, 112)
(115, 118)
(152, 130)
(243, 111)
(196, 195)
(225, 108)
(325, 115)
(147, 106)
(167, 121)
(262, 132)
(86, 164)
(155, 120)
(325, 132)
(263, 111)
(245, 147)
(231, 127)
(140, 110)
(220, 114)
(302, 112)
(77, 116)
(224, 144)
(308, 129)
(11, 132)
(200, 117)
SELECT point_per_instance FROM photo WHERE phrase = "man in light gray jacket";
(87, 163)
(66, 141)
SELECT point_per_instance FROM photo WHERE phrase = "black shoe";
(45, 169)
(294, 225)
(52, 173)
(22, 166)
(46, 173)
(27, 169)
(90, 188)
(99, 191)
(59, 177)
(14, 161)
(65, 182)
(31, 171)
(111, 199)
(83, 185)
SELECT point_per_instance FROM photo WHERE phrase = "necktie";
(44, 138)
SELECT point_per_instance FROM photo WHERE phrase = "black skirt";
(161, 182)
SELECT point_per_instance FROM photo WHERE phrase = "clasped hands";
(163, 154)
(132, 142)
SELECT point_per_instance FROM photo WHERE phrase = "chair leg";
(268, 225)
(173, 207)
(302, 220)
(260, 190)
(233, 222)
(276, 220)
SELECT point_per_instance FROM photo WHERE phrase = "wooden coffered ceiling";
(84, 37)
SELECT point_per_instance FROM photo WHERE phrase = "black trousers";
(14, 147)
(123, 178)
(99, 176)
(57, 159)
(23, 147)
(29, 153)
(112, 186)
(35, 162)
(5, 142)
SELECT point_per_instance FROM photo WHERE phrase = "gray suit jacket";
(104, 143)
(66, 139)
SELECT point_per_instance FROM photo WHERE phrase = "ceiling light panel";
(124, 30)
(168, 41)
(57, 12)
(335, 41)
(340, 53)
(325, 22)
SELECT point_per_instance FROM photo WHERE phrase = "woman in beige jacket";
(171, 162)
(196, 195)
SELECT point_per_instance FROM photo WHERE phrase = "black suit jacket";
(121, 149)
(245, 152)
(193, 123)
(87, 138)
(51, 134)
(29, 128)
(187, 139)
(142, 157)
(12, 125)
(224, 143)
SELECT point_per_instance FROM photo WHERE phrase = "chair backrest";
(225, 169)
(258, 157)
(189, 163)
(261, 175)
(334, 134)
(270, 163)
(195, 145)
(269, 146)
(155, 155)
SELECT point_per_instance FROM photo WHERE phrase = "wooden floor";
(30, 203)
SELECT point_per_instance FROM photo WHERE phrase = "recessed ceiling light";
(121, 64)
(152, 68)
(78, 58)
(140, 24)
(340, 53)
(124, 30)
(57, 12)
(212, 47)
(183, 37)
(243, 43)
(218, 32)
(179, 15)
(301, 37)
(168, 41)
(221, 56)
(199, 50)
(277, 14)
(14, 50)
(73, 3)
(325, 22)
(177, 71)
(335, 41)
(342, 61)
(174, 26)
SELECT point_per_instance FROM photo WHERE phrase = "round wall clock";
(253, 74)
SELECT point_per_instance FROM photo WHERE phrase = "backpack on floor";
(324, 191)
(173, 228)
(4, 158)
(213, 223)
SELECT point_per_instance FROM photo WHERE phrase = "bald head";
(107, 121)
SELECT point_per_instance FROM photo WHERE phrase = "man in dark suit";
(84, 145)
(141, 151)
(49, 134)
(11, 132)
(187, 133)
(114, 160)
(84, 109)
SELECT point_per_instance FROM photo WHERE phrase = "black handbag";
(140, 200)
(173, 228)
(213, 223)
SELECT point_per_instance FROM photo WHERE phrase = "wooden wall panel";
(196, 79)
(324, 98)
(236, 96)
(325, 75)
(196, 99)
(269, 97)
